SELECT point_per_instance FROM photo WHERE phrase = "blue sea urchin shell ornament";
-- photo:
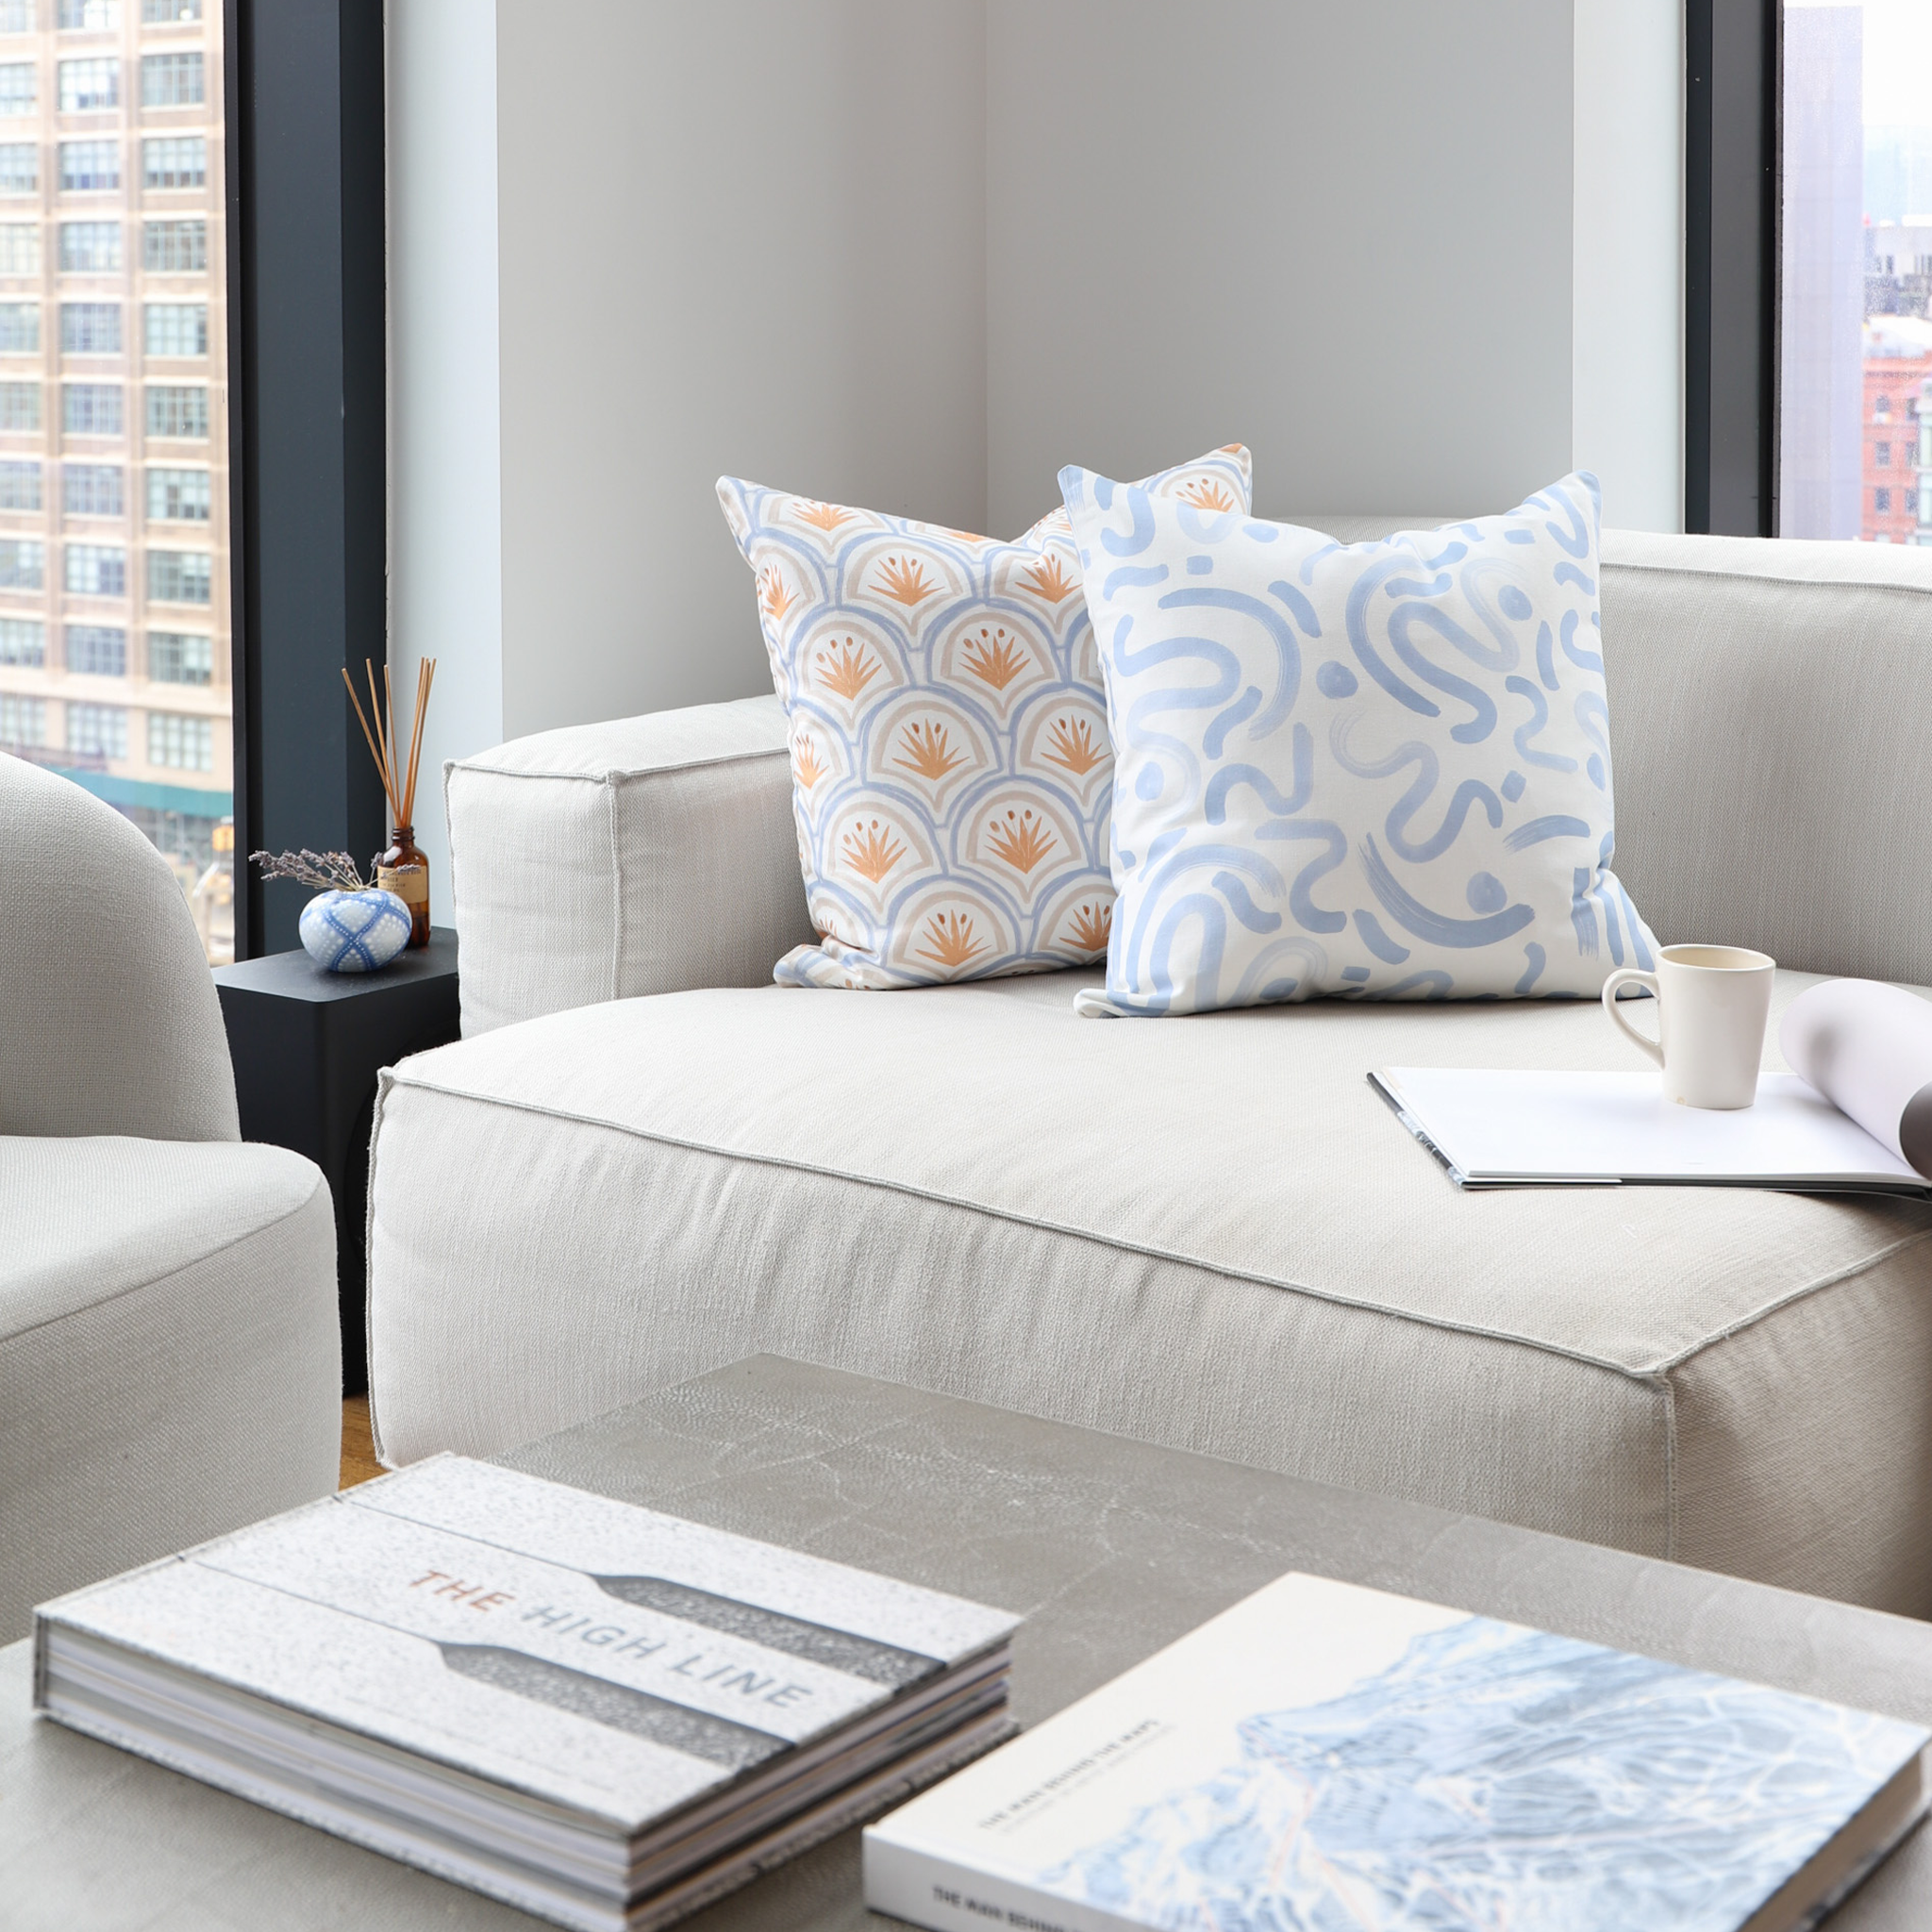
(354, 932)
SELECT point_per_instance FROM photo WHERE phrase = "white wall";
(1627, 256)
(445, 483)
(1339, 233)
(741, 237)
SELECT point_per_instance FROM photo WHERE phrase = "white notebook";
(1515, 1129)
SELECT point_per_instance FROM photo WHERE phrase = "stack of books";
(606, 1716)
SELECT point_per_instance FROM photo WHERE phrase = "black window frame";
(307, 433)
(1733, 64)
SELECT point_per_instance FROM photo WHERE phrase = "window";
(97, 730)
(185, 745)
(20, 248)
(20, 405)
(23, 563)
(20, 329)
(174, 162)
(91, 328)
(168, 13)
(91, 409)
(171, 80)
(176, 328)
(178, 577)
(89, 247)
(22, 721)
(1882, 500)
(89, 86)
(97, 650)
(176, 409)
(20, 486)
(178, 496)
(174, 247)
(20, 167)
(23, 641)
(19, 93)
(1881, 455)
(92, 489)
(16, 16)
(88, 166)
(89, 16)
(176, 658)
(97, 570)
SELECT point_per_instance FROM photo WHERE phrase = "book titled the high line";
(603, 1715)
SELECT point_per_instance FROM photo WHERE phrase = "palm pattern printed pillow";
(952, 772)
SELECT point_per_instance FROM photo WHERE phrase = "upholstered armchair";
(170, 1365)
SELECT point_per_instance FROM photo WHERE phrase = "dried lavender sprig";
(331, 872)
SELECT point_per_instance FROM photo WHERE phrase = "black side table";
(308, 1046)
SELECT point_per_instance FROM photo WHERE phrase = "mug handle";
(1629, 976)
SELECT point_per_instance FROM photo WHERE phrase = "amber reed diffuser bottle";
(401, 870)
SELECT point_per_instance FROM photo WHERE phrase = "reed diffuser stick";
(369, 736)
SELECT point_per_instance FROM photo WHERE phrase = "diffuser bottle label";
(409, 883)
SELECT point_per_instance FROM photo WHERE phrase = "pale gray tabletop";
(1110, 1548)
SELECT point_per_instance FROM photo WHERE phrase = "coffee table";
(1111, 1547)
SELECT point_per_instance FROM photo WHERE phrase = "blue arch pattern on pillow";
(1378, 770)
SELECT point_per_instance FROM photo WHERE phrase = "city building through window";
(1855, 263)
(114, 618)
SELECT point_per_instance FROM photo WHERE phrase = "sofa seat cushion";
(167, 1308)
(1208, 1232)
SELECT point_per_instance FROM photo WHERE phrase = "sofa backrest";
(1770, 721)
(1771, 729)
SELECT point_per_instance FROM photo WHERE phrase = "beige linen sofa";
(644, 1159)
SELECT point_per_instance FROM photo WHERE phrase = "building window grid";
(20, 167)
(91, 409)
(16, 16)
(176, 657)
(89, 247)
(20, 485)
(97, 730)
(20, 329)
(20, 406)
(180, 576)
(89, 16)
(22, 641)
(180, 743)
(178, 496)
(20, 248)
(23, 563)
(173, 81)
(177, 410)
(91, 86)
(89, 329)
(92, 489)
(175, 161)
(23, 720)
(19, 87)
(168, 13)
(90, 166)
(97, 650)
(96, 570)
(174, 247)
(175, 328)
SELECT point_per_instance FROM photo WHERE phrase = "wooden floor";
(359, 1450)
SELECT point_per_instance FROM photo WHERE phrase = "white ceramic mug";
(1713, 1003)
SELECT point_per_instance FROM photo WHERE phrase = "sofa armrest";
(643, 856)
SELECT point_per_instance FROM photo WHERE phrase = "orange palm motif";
(952, 941)
(773, 596)
(849, 673)
(904, 580)
(1050, 580)
(1090, 928)
(1073, 749)
(1205, 493)
(1022, 841)
(822, 516)
(804, 762)
(994, 659)
(873, 850)
(929, 752)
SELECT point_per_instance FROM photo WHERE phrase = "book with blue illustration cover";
(1323, 1757)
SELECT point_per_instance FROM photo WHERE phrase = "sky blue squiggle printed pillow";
(950, 766)
(1381, 770)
